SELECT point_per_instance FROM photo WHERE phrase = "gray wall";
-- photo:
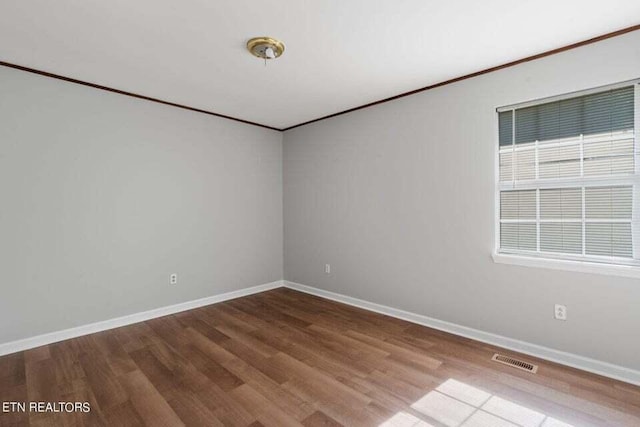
(399, 199)
(102, 196)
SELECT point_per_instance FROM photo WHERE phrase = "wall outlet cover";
(560, 312)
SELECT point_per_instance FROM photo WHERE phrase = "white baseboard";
(37, 341)
(569, 359)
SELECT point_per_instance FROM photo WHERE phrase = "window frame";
(591, 263)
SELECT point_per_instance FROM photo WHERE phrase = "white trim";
(553, 183)
(567, 95)
(568, 265)
(569, 359)
(496, 177)
(584, 363)
(635, 228)
(40, 340)
(565, 261)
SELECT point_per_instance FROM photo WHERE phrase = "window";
(569, 178)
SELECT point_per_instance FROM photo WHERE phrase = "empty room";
(320, 213)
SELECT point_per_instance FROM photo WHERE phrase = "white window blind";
(568, 178)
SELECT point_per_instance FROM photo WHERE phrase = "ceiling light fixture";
(265, 48)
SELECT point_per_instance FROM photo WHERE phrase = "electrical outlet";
(173, 279)
(560, 312)
(327, 268)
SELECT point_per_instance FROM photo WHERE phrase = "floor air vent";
(515, 363)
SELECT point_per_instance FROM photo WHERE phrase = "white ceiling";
(339, 53)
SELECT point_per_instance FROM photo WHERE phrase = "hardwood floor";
(286, 358)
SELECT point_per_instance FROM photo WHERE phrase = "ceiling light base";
(265, 47)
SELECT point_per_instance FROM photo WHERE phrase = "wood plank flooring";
(284, 358)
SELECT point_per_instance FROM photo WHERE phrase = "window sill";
(560, 264)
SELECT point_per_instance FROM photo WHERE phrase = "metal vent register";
(515, 363)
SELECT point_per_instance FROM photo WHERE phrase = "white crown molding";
(568, 359)
(65, 334)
